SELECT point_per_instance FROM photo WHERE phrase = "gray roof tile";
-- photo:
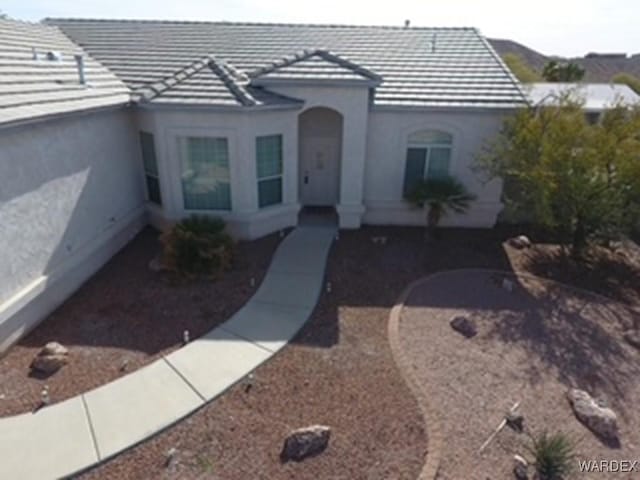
(419, 67)
(37, 87)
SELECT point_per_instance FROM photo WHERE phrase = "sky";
(558, 27)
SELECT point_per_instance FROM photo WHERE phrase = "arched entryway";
(319, 156)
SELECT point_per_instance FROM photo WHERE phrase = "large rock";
(520, 242)
(305, 442)
(49, 363)
(599, 419)
(465, 326)
(51, 358)
(53, 348)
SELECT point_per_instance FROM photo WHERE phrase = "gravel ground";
(127, 314)
(338, 371)
(532, 345)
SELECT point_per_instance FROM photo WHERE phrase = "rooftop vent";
(80, 63)
(407, 23)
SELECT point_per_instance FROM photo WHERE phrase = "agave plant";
(553, 455)
(441, 196)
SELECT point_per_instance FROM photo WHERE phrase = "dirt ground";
(125, 317)
(533, 344)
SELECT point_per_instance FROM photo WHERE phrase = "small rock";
(49, 363)
(633, 338)
(51, 358)
(515, 422)
(465, 326)
(156, 265)
(521, 467)
(520, 242)
(305, 442)
(600, 420)
(507, 284)
(171, 458)
(53, 348)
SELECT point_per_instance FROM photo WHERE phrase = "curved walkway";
(73, 435)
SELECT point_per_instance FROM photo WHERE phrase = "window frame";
(428, 147)
(182, 145)
(278, 176)
(147, 173)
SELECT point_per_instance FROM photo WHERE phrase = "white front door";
(319, 171)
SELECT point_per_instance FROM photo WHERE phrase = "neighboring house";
(595, 97)
(249, 122)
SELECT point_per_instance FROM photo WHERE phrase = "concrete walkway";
(75, 434)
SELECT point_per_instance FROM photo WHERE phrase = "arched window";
(428, 156)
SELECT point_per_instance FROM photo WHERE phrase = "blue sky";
(563, 27)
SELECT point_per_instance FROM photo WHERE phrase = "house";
(108, 125)
(595, 97)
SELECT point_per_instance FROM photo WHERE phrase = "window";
(428, 156)
(205, 173)
(592, 117)
(269, 168)
(152, 178)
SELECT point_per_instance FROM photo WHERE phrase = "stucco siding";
(68, 187)
(387, 142)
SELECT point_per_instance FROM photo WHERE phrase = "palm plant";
(441, 195)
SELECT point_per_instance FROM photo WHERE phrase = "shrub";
(198, 246)
(521, 69)
(553, 455)
(631, 81)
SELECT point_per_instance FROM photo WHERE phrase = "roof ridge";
(227, 22)
(308, 53)
(227, 72)
(152, 90)
(516, 83)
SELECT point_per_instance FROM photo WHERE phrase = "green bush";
(198, 246)
(521, 69)
(631, 81)
(553, 456)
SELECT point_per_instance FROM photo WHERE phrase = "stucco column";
(354, 147)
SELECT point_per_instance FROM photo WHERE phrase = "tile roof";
(39, 75)
(314, 65)
(420, 67)
(596, 96)
(208, 82)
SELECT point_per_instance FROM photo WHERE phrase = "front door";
(319, 171)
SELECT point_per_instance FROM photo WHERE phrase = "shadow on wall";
(73, 180)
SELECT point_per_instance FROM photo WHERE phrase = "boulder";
(464, 326)
(49, 363)
(520, 242)
(305, 442)
(53, 348)
(599, 419)
(51, 358)
(633, 338)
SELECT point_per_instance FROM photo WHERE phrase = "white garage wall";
(71, 195)
(387, 140)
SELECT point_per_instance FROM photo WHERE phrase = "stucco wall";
(386, 156)
(69, 188)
